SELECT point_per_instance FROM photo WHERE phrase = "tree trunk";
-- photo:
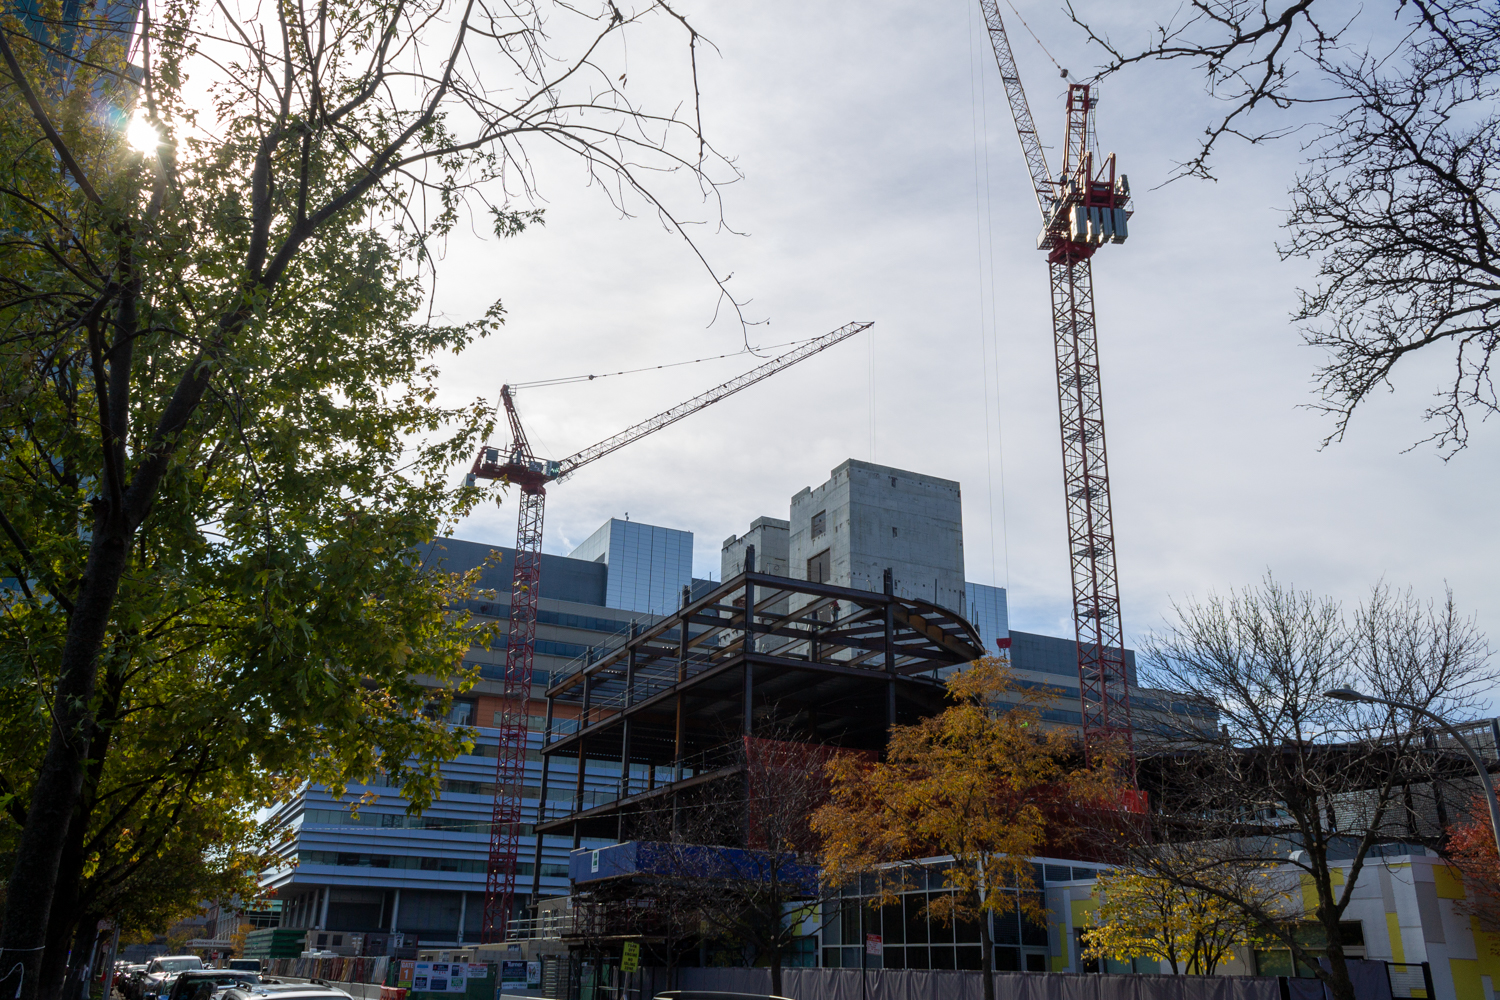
(63, 924)
(59, 782)
(1338, 979)
(85, 940)
(776, 971)
(62, 952)
(987, 961)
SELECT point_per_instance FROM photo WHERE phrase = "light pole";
(1349, 694)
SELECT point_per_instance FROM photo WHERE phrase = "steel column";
(890, 649)
(541, 803)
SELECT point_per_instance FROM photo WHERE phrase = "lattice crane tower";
(1083, 208)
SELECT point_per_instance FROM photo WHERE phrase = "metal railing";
(550, 925)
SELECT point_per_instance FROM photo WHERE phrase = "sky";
(882, 181)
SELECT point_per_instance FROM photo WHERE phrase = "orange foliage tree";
(980, 782)
(1471, 846)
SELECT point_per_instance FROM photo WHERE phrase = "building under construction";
(364, 881)
(758, 656)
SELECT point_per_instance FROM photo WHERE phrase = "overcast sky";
(879, 163)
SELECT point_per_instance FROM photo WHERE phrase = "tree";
(980, 782)
(221, 440)
(1471, 846)
(1398, 198)
(1292, 776)
(1143, 915)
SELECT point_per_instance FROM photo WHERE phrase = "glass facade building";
(648, 564)
(986, 611)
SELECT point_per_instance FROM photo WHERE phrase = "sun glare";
(142, 136)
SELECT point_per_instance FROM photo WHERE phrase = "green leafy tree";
(221, 441)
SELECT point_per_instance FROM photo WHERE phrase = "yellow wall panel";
(1393, 927)
(1449, 884)
(1466, 984)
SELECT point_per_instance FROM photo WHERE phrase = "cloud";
(858, 130)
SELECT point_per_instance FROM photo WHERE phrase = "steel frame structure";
(1081, 209)
(523, 469)
(810, 662)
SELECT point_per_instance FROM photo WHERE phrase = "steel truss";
(511, 720)
(1102, 677)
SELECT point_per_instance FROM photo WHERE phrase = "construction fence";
(922, 984)
(1373, 980)
(333, 970)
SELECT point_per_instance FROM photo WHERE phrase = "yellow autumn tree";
(983, 782)
(1194, 930)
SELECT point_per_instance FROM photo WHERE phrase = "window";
(1080, 943)
(460, 712)
(803, 953)
(819, 523)
(338, 940)
(818, 568)
(1278, 961)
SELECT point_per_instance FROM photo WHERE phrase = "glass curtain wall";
(911, 939)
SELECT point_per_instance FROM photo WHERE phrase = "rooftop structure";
(867, 519)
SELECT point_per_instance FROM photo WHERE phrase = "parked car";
(243, 964)
(316, 990)
(201, 984)
(130, 986)
(160, 972)
(125, 976)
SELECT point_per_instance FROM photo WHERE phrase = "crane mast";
(531, 474)
(1082, 208)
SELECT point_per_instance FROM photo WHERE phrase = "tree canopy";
(1143, 915)
(222, 440)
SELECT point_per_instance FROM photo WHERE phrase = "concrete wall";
(875, 517)
(771, 537)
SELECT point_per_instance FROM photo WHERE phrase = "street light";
(1349, 694)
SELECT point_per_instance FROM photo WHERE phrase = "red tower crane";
(1082, 208)
(530, 474)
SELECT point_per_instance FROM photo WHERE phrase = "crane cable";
(651, 368)
(1036, 39)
